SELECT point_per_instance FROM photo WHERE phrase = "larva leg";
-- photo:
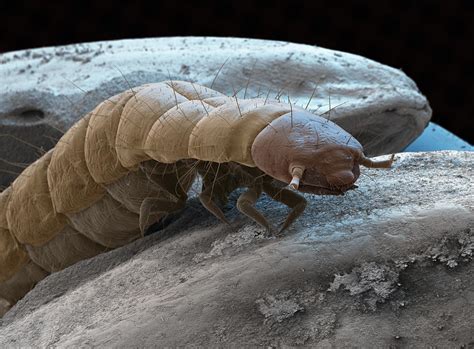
(245, 205)
(176, 184)
(296, 202)
(206, 198)
(218, 183)
(152, 209)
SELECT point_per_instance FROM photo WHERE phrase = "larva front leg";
(296, 202)
(256, 182)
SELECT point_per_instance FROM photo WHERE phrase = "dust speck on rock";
(372, 283)
(276, 308)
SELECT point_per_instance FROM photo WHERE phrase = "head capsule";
(310, 153)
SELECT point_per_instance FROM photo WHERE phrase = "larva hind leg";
(245, 204)
(173, 193)
(153, 209)
(296, 202)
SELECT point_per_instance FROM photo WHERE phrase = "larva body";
(133, 159)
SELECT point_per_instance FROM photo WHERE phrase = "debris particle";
(371, 282)
(453, 250)
(278, 308)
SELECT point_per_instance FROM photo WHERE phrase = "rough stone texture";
(387, 265)
(45, 90)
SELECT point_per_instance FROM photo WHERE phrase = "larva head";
(310, 153)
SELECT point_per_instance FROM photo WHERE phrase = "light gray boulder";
(387, 265)
(45, 90)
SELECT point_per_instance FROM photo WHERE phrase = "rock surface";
(43, 91)
(387, 265)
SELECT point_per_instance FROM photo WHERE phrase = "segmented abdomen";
(111, 174)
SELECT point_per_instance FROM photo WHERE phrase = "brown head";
(310, 153)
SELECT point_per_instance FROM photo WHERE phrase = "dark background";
(430, 41)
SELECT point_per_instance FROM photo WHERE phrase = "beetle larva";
(132, 160)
